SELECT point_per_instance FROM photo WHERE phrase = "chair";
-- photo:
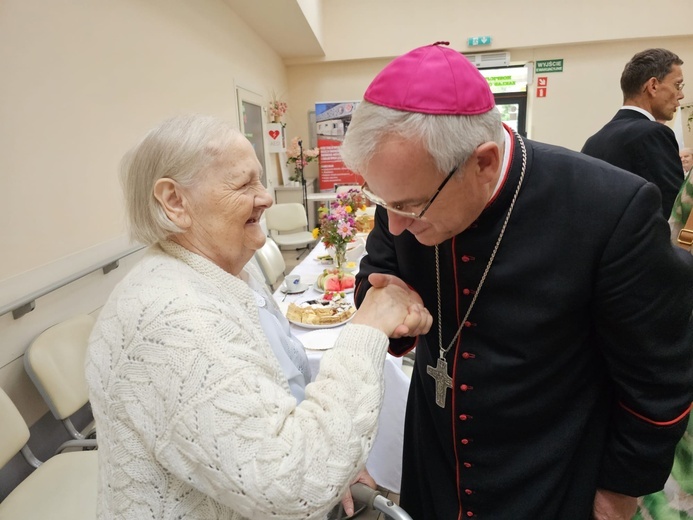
(55, 363)
(62, 488)
(408, 361)
(287, 224)
(271, 262)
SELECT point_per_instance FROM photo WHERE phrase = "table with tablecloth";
(385, 460)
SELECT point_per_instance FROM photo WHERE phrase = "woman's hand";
(348, 501)
(391, 306)
(613, 506)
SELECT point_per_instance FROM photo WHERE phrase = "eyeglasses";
(400, 209)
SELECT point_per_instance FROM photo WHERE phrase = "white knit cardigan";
(194, 415)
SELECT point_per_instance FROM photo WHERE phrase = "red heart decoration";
(274, 134)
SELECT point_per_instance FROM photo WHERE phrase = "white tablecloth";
(385, 460)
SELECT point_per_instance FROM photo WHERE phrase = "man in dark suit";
(557, 377)
(652, 85)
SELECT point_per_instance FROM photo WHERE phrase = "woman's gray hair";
(450, 140)
(179, 148)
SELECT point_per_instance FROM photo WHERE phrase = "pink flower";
(344, 229)
(277, 108)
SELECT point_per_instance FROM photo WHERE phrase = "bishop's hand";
(418, 320)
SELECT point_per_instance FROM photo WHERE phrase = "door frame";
(243, 95)
(515, 98)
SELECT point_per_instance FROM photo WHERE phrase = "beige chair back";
(287, 224)
(286, 217)
(14, 432)
(55, 363)
(271, 262)
(63, 487)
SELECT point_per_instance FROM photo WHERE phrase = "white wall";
(362, 29)
(580, 100)
(81, 83)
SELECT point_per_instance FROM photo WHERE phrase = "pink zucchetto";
(432, 80)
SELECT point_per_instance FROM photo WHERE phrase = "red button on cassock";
(467, 464)
(464, 388)
(463, 417)
(467, 258)
(465, 441)
(470, 514)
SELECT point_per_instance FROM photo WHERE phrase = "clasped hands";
(391, 306)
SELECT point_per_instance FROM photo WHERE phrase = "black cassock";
(574, 369)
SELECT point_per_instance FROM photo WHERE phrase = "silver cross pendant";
(443, 380)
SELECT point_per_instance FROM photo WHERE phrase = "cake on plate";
(320, 312)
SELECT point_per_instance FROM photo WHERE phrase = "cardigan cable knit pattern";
(194, 414)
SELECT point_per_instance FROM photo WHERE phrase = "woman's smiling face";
(225, 206)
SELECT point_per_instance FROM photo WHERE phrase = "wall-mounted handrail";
(26, 304)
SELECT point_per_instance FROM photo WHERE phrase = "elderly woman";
(190, 361)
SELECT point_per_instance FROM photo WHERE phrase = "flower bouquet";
(293, 153)
(276, 110)
(338, 224)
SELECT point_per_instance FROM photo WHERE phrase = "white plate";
(318, 326)
(326, 326)
(299, 288)
(319, 339)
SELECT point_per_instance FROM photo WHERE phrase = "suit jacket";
(574, 369)
(646, 148)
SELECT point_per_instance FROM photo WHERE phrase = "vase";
(340, 255)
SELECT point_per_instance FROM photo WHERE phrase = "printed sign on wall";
(332, 121)
(544, 66)
(274, 137)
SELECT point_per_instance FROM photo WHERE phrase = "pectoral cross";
(443, 380)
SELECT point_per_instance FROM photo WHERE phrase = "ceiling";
(284, 27)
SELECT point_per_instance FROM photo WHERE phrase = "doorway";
(509, 87)
(251, 124)
(513, 110)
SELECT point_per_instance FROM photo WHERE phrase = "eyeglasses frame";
(416, 216)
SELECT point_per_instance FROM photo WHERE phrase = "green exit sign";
(544, 66)
(475, 41)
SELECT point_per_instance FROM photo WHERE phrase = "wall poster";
(331, 122)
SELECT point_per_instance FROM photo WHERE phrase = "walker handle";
(374, 500)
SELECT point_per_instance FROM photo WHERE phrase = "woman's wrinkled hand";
(348, 501)
(391, 306)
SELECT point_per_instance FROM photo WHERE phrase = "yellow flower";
(348, 209)
(316, 232)
(363, 207)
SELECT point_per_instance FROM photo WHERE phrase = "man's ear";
(488, 161)
(651, 86)
(172, 199)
